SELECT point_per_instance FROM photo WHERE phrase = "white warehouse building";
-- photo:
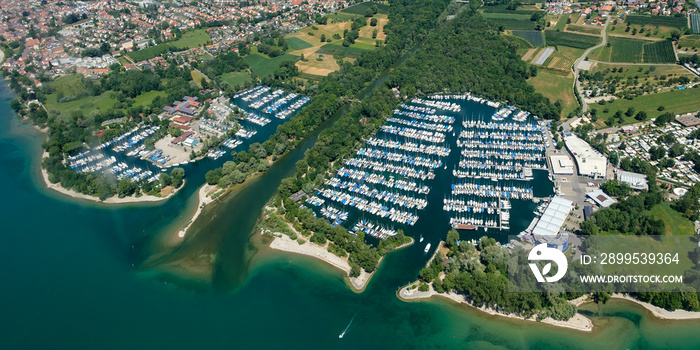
(590, 162)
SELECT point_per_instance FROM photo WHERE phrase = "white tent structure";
(553, 218)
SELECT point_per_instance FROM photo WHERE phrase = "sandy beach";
(112, 200)
(204, 198)
(284, 243)
(578, 322)
(659, 312)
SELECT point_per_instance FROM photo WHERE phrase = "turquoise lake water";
(71, 280)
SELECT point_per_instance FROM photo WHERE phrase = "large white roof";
(553, 217)
(590, 162)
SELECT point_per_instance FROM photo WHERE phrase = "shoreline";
(112, 200)
(285, 243)
(659, 312)
(578, 322)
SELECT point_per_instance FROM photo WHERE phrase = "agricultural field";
(625, 50)
(529, 54)
(236, 78)
(514, 23)
(659, 52)
(675, 101)
(521, 10)
(585, 29)
(579, 41)
(563, 58)
(556, 85)
(319, 56)
(298, 44)
(640, 31)
(662, 21)
(507, 15)
(361, 8)
(70, 85)
(695, 23)
(626, 80)
(263, 66)
(534, 37)
(689, 42)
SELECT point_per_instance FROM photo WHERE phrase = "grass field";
(298, 44)
(625, 50)
(146, 98)
(341, 17)
(361, 8)
(579, 41)
(189, 40)
(197, 77)
(235, 78)
(561, 22)
(84, 105)
(676, 224)
(584, 29)
(334, 49)
(643, 31)
(689, 41)
(263, 66)
(676, 102)
(192, 39)
(532, 36)
(555, 86)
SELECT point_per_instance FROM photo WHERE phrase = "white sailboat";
(421, 238)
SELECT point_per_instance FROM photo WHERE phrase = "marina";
(129, 156)
(393, 176)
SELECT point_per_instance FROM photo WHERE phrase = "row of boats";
(418, 134)
(373, 229)
(413, 147)
(379, 179)
(438, 104)
(334, 215)
(283, 114)
(493, 191)
(467, 97)
(382, 195)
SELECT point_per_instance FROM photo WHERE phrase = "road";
(577, 84)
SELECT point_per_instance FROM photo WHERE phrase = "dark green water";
(68, 283)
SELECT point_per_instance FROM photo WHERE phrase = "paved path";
(577, 84)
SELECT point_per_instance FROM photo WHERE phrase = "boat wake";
(346, 328)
